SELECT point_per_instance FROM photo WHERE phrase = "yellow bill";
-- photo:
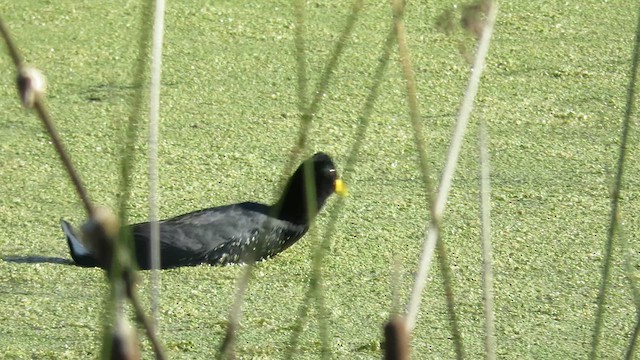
(339, 187)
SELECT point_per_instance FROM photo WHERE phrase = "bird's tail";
(79, 253)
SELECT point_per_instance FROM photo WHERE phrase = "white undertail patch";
(76, 246)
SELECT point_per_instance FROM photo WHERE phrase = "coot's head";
(316, 177)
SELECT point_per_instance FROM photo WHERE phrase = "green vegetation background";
(553, 95)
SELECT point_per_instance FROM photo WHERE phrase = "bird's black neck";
(293, 205)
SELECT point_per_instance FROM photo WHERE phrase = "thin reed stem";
(615, 195)
(226, 350)
(148, 326)
(432, 233)
(301, 56)
(47, 122)
(154, 119)
(485, 235)
(629, 355)
(348, 168)
(320, 92)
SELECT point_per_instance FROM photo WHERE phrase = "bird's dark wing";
(226, 234)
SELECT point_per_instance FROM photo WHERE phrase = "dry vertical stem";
(485, 234)
(31, 86)
(308, 112)
(64, 157)
(301, 55)
(13, 49)
(147, 325)
(154, 119)
(612, 231)
(100, 234)
(433, 227)
(464, 113)
(101, 230)
(226, 350)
